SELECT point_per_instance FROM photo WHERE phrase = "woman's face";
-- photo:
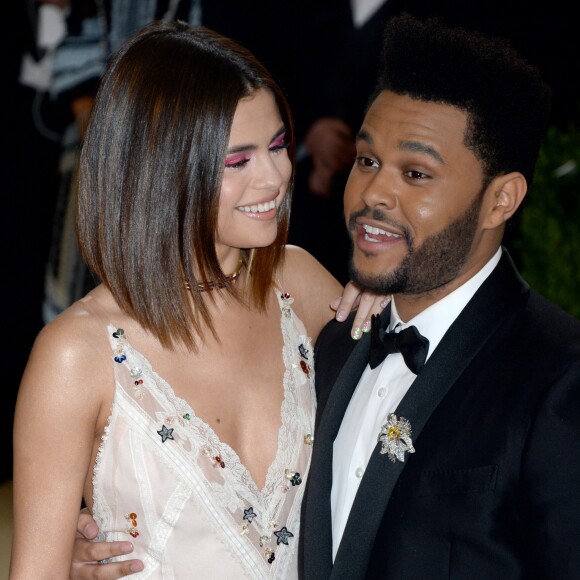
(257, 170)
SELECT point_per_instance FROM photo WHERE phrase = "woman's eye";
(366, 161)
(279, 143)
(280, 147)
(236, 161)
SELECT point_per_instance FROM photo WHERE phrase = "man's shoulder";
(556, 328)
(336, 335)
(333, 348)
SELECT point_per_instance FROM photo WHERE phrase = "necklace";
(208, 285)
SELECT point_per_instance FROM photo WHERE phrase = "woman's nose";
(270, 173)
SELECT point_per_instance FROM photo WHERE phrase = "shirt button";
(359, 472)
(382, 392)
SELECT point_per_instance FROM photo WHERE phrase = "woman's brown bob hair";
(151, 169)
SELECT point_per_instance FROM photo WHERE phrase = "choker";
(208, 285)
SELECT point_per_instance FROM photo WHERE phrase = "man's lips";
(376, 235)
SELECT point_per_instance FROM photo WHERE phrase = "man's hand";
(87, 554)
(330, 144)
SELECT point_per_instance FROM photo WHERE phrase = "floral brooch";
(395, 436)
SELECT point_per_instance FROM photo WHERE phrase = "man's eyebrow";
(363, 135)
(411, 146)
(419, 147)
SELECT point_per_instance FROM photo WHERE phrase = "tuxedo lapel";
(471, 330)
(317, 529)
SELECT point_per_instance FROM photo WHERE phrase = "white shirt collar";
(434, 321)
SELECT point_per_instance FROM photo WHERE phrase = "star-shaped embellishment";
(282, 536)
(249, 514)
(165, 434)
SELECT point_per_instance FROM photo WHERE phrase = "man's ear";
(503, 197)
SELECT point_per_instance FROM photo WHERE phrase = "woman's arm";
(59, 405)
(312, 286)
(320, 297)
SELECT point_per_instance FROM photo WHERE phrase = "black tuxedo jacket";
(493, 489)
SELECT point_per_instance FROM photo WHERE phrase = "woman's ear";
(504, 195)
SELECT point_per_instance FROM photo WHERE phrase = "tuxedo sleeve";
(551, 481)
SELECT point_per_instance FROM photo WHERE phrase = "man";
(467, 466)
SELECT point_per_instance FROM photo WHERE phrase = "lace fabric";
(197, 511)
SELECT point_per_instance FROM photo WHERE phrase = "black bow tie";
(408, 342)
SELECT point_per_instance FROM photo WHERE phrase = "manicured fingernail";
(356, 333)
(340, 315)
(385, 302)
(126, 547)
(136, 567)
(366, 326)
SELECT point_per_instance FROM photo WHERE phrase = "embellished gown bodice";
(164, 480)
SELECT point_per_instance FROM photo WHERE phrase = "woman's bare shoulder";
(75, 329)
(312, 286)
(69, 371)
(75, 342)
(300, 266)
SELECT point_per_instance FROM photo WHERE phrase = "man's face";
(413, 198)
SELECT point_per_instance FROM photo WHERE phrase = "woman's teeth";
(258, 208)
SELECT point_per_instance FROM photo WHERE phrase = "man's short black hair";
(505, 98)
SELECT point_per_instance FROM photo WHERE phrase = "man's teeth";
(258, 208)
(377, 232)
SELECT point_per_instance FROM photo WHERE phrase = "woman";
(162, 396)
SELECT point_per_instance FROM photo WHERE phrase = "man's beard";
(436, 262)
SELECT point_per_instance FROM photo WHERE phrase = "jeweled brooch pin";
(395, 436)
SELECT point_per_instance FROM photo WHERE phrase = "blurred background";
(324, 53)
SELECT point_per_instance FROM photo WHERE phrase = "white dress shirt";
(379, 392)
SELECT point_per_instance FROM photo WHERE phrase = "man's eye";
(416, 174)
(366, 161)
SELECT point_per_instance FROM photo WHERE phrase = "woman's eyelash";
(279, 142)
(279, 146)
(236, 162)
